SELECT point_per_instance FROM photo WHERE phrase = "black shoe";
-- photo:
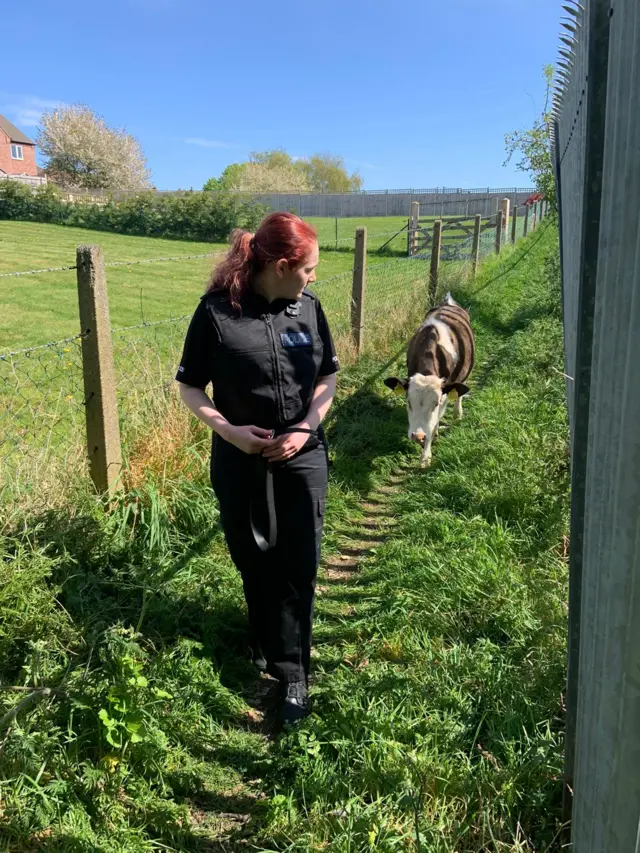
(295, 702)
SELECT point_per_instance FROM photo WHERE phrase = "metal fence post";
(526, 221)
(358, 289)
(434, 271)
(103, 430)
(514, 225)
(336, 232)
(498, 232)
(475, 246)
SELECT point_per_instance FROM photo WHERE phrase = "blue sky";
(413, 94)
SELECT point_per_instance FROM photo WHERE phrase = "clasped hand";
(253, 439)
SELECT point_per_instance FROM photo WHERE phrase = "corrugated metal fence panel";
(606, 816)
(572, 143)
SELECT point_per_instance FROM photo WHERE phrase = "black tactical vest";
(267, 359)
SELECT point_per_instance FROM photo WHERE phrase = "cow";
(440, 357)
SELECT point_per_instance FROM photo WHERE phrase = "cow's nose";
(418, 436)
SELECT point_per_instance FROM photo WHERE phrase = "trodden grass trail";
(439, 656)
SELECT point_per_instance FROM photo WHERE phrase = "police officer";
(263, 342)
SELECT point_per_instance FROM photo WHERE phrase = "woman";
(263, 342)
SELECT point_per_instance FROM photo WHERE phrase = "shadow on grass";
(366, 426)
(106, 582)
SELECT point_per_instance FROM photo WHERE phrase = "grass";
(380, 230)
(439, 655)
(36, 309)
(41, 308)
(42, 393)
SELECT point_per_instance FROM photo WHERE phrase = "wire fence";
(42, 416)
(42, 389)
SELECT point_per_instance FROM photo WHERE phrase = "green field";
(41, 391)
(380, 229)
(40, 308)
(438, 666)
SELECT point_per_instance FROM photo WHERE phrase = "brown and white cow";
(440, 358)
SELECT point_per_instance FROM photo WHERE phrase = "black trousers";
(279, 584)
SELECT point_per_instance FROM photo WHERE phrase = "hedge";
(195, 216)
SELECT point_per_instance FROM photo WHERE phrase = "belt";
(264, 484)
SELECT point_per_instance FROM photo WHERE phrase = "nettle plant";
(129, 714)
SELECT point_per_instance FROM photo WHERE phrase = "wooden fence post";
(358, 289)
(101, 408)
(415, 216)
(475, 246)
(514, 225)
(505, 219)
(435, 261)
(498, 232)
(526, 221)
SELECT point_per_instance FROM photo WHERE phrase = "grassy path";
(439, 651)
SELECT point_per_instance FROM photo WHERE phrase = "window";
(16, 152)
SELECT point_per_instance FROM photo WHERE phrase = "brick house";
(17, 151)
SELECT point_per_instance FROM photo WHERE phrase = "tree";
(274, 159)
(327, 173)
(534, 147)
(261, 178)
(277, 171)
(228, 180)
(81, 150)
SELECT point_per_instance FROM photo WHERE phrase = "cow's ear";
(456, 389)
(398, 386)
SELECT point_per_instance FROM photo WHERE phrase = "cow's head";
(425, 396)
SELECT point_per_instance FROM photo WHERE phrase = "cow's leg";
(425, 458)
(443, 409)
(457, 409)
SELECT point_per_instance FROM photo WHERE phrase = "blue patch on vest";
(295, 339)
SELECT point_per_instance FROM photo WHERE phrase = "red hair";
(280, 235)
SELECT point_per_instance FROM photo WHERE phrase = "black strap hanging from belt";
(263, 485)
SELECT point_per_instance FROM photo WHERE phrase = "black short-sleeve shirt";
(264, 362)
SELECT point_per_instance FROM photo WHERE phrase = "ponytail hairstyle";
(280, 235)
